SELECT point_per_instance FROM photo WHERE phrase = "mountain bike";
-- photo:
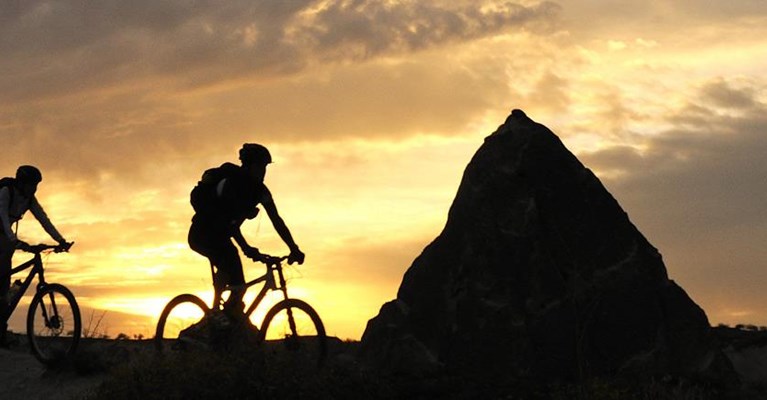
(53, 319)
(291, 328)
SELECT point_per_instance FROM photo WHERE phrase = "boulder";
(539, 273)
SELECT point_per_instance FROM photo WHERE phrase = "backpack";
(204, 196)
(10, 183)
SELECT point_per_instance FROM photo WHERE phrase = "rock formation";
(540, 273)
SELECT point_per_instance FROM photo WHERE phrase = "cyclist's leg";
(208, 239)
(228, 262)
(214, 242)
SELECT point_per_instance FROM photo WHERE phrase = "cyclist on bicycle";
(17, 196)
(224, 198)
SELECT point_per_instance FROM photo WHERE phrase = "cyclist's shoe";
(238, 319)
(198, 334)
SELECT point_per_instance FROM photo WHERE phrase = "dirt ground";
(22, 377)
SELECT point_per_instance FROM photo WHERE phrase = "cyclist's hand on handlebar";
(22, 245)
(296, 256)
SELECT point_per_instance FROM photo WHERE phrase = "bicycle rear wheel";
(53, 324)
(293, 332)
(182, 312)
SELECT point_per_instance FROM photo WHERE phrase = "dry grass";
(250, 374)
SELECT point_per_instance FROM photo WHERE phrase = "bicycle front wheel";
(181, 313)
(293, 332)
(53, 324)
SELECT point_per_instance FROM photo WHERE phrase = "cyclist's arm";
(278, 222)
(247, 249)
(5, 218)
(240, 239)
(42, 217)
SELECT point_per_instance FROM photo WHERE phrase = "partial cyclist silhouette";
(224, 198)
(17, 196)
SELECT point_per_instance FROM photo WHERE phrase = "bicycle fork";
(291, 320)
(54, 323)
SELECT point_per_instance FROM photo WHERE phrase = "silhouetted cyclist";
(223, 199)
(17, 196)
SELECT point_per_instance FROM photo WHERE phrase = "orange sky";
(371, 110)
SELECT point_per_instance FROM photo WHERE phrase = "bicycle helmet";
(28, 174)
(251, 153)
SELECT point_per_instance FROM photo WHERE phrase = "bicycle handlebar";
(41, 247)
(271, 260)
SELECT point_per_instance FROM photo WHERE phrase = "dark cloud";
(720, 93)
(68, 46)
(551, 93)
(365, 28)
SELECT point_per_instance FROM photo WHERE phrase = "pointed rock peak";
(519, 115)
(539, 272)
(516, 119)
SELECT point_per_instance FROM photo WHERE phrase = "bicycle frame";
(36, 263)
(269, 284)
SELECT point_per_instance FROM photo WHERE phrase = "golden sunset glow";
(371, 112)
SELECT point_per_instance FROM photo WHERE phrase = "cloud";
(63, 47)
(550, 93)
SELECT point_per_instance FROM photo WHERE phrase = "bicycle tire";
(190, 309)
(304, 343)
(54, 340)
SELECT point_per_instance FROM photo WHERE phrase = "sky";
(371, 110)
